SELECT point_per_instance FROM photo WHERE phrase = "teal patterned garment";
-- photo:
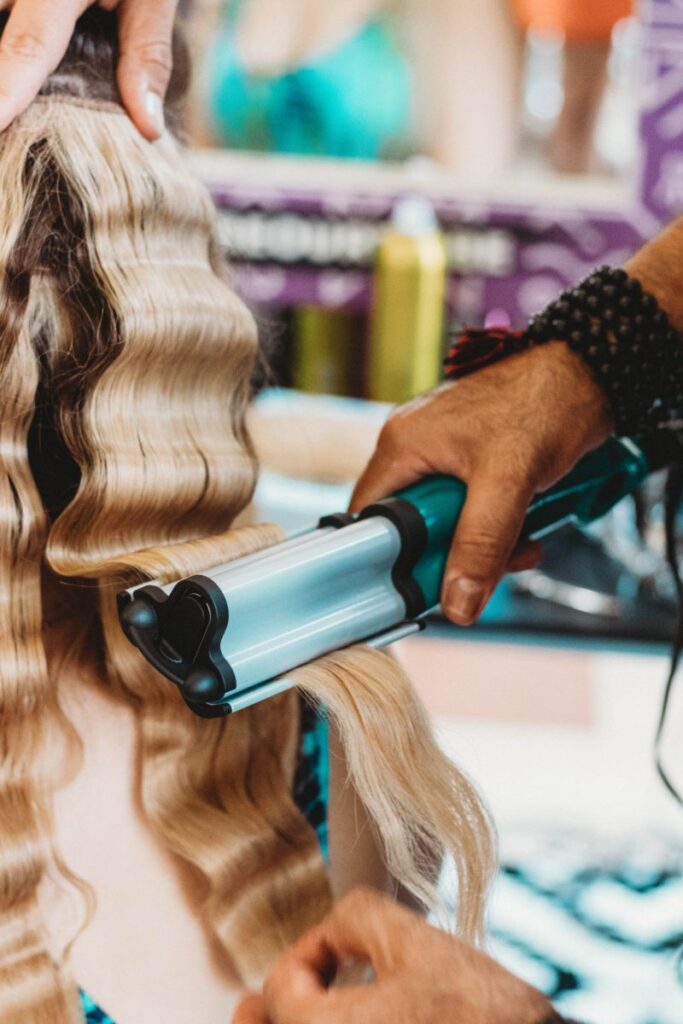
(354, 100)
(311, 794)
(312, 780)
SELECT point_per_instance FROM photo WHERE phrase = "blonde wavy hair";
(119, 328)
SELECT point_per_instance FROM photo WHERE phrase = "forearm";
(659, 268)
(451, 111)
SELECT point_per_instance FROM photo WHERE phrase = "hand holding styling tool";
(227, 637)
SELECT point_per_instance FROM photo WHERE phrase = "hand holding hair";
(509, 430)
(423, 976)
(38, 32)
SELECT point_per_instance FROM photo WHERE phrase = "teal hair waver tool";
(228, 637)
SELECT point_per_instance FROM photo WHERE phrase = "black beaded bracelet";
(620, 331)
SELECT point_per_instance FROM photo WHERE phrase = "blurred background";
(478, 87)
(387, 171)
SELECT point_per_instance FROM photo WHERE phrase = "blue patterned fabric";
(311, 783)
(92, 1012)
(311, 795)
(594, 922)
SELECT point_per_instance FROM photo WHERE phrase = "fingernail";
(464, 599)
(155, 110)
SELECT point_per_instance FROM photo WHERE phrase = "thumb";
(145, 61)
(486, 534)
(252, 1010)
(32, 45)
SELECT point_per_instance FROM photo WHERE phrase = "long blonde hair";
(114, 305)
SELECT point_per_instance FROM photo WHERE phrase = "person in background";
(304, 77)
(370, 79)
(384, 79)
(587, 31)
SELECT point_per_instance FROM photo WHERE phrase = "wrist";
(586, 399)
(655, 268)
(628, 343)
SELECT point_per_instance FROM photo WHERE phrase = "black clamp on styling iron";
(228, 637)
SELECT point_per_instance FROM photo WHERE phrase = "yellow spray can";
(407, 322)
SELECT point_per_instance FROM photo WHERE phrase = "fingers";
(295, 994)
(296, 987)
(486, 534)
(363, 926)
(252, 1010)
(32, 45)
(527, 555)
(392, 467)
(145, 62)
(369, 926)
(34, 42)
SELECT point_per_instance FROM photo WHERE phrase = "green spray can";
(326, 351)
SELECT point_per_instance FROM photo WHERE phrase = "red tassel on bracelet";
(477, 347)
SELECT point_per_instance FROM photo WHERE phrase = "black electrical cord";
(672, 502)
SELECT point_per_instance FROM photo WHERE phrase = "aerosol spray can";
(327, 351)
(407, 323)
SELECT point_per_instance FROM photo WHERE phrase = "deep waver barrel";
(227, 637)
